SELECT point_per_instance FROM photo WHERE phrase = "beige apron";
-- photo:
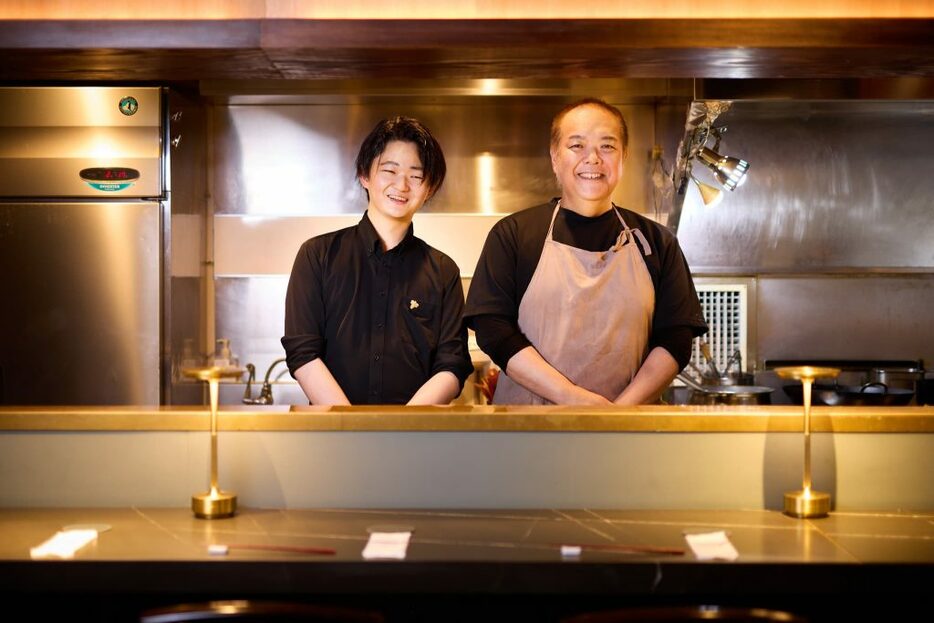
(588, 313)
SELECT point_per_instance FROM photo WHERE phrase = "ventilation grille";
(725, 310)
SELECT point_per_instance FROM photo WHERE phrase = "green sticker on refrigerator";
(129, 105)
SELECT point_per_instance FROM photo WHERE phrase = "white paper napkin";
(387, 545)
(712, 546)
(63, 544)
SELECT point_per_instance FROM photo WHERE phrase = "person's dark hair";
(411, 131)
(589, 101)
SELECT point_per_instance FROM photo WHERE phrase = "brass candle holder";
(213, 504)
(806, 503)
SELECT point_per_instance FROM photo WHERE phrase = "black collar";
(371, 239)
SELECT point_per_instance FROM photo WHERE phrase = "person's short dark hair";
(589, 101)
(408, 130)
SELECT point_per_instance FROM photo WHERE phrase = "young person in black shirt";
(578, 300)
(373, 315)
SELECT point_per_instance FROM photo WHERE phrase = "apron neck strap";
(554, 215)
(551, 225)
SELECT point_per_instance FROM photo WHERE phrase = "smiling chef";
(579, 301)
(373, 315)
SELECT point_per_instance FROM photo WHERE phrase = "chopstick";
(322, 551)
(326, 551)
(628, 549)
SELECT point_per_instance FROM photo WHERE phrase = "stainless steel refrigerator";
(83, 202)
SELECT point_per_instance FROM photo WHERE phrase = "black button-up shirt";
(382, 322)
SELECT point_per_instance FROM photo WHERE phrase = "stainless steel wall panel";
(185, 323)
(299, 159)
(831, 317)
(185, 338)
(832, 186)
(251, 313)
(187, 153)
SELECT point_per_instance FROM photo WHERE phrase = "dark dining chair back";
(687, 614)
(243, 611)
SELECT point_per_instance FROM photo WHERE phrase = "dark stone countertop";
(846, 562)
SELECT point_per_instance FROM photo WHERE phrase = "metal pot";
(870, 394)
(903, 378)
(726, 394)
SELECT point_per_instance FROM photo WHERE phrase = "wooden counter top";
(654, 418)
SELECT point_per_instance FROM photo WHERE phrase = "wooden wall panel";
(172, 50)
(462, 9)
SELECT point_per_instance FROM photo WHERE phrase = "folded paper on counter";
(63, 544)
(387, 545)
(712, 546)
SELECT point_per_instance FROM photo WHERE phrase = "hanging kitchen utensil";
(711, 364)
(712, 376)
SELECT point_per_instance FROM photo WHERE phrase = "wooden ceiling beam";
(170, 50)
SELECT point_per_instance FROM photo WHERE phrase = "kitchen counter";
(651, 457)
(470, 565)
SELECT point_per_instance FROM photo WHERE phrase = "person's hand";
(627, 400)
(583, 396)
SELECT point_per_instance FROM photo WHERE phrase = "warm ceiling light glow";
(490, 86)
(485, 165)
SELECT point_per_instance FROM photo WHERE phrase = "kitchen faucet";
(265, 394)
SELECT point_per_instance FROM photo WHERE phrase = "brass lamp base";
(807, 504)
(214, 505)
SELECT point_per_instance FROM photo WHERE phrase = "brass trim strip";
(665, 419)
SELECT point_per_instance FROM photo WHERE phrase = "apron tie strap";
(646, 249)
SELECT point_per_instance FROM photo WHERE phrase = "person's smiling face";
(588, 159)
(396, 183)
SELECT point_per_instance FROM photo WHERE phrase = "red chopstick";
(322, 551)
(631, 549)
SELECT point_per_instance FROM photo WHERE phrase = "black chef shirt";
(383, 322)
